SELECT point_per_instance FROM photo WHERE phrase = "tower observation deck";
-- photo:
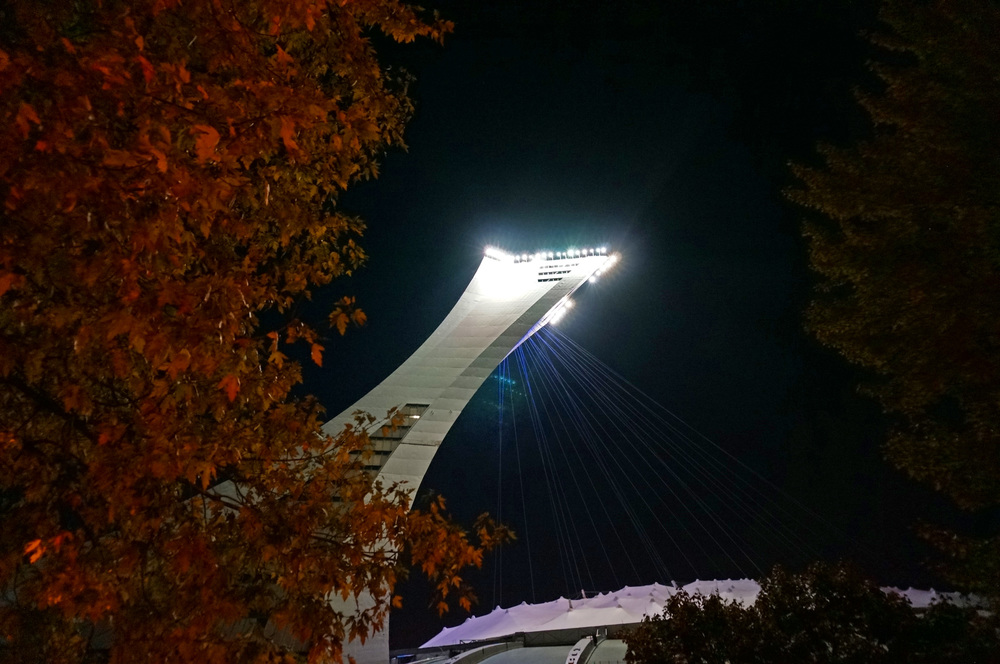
(510, 297)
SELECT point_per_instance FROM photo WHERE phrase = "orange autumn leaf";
(180, 362)
(34, 550)
(230, 384)
(7, 281)
(161, 159)
(283, 58)
(341, 321)
(25, 115)
(278, 358)
(287, 134)
(317, 354)
(206, 140)
(148, 72)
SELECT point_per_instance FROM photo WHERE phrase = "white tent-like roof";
(623, 607)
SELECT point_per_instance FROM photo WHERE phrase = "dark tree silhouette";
(907, 244)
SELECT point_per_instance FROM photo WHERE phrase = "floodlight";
(498, 254)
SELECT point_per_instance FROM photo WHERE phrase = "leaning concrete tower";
(510, 297)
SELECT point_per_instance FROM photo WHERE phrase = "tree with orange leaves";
(169, 173)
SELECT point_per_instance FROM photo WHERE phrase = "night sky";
(662, 131)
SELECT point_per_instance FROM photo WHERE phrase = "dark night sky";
(660, 130)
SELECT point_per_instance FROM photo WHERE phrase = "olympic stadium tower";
(510, 297)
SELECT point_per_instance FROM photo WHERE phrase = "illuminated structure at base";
(509, 299)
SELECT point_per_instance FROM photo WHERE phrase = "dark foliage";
(907, 244)
(825, 615)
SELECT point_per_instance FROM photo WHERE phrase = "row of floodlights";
(612, 259)
(560, 310)
(500, 255)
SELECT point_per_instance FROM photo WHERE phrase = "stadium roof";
(623, 607)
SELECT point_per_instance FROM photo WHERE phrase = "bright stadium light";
(498, 254)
